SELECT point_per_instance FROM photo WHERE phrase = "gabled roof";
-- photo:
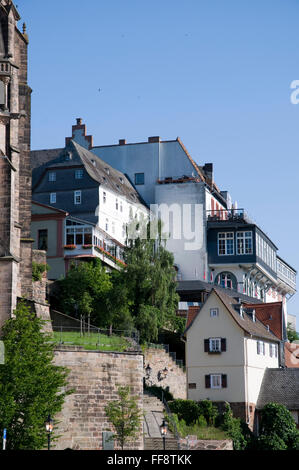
(98, 170)
(54, 209)
(256, 329)
(280, 386)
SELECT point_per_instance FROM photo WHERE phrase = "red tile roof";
(270, 314)
(291, 351)
(192, 313)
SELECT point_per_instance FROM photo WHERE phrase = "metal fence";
(91, 337)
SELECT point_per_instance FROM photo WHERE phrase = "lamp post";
(163, 429)
(49, 429)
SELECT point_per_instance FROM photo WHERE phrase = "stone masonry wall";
(174, 378)
(95, 377)
(192, 443)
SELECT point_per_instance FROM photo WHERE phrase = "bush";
(232, 426)
(187, 410)
(276, 420)
(208, 410)
(37, 270)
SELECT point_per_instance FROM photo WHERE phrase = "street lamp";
(163, 429)
(49, 429)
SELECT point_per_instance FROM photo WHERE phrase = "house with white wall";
(228, 351)
(212, 241)
(100, 202)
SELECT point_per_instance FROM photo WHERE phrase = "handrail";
(171, 420)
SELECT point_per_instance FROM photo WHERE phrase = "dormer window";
(68, 156)
(107, 171)
(121, 180)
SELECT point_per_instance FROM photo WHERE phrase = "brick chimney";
(152, 140)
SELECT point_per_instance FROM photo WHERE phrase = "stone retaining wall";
(95, 377)
(174, 377)
(192, 443)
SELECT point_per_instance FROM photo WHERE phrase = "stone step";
(157, 444)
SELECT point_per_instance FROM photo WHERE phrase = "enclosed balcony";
(83, 240)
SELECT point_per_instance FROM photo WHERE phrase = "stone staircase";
(153, 410)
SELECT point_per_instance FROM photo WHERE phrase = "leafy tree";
(31, 386)
(81, 292)
(150, 279)
(278, 429)
(125, 416)
(292, 334)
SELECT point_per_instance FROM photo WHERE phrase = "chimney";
(152, 140)
(122, 142)
(79, 121)
(208, 170)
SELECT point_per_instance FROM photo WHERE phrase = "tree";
(278, 429)
(125, 416)
(31, 386)
(149, 276)
(81, 292)
(292, 334)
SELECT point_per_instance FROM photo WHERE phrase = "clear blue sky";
(216, 73)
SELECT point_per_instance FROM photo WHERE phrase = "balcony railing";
(228, 215)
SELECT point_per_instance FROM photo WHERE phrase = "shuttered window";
(216, 381)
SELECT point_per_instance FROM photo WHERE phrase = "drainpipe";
(246, 381)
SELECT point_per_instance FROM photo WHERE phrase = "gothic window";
(226, 280)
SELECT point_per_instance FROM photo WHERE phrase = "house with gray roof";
(101, 202)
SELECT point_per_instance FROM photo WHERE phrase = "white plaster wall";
(199, 364)
(155, 160)
(257, 364)
(191, 260)
(108, 211)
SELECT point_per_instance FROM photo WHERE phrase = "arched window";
(226, 280)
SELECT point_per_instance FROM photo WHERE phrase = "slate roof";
(280, 386)
(189, 286)
(256, 329)
(98, 170)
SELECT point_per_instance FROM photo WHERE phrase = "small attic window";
(121, 180)
(107, 171)
(68, 156)
(93, 162)
(104, 178)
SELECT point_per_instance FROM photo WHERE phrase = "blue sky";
(216, 73)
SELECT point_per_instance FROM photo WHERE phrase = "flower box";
(87, 247)
(70, 247)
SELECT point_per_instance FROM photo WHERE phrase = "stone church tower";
(15, 172)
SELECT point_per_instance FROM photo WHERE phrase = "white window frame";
(214, 312)
(226, 236)
(218, 379)
(215, 344)
(52, 176)
(104, 197)
(77, 194)
(244, 235)
(53, 198)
